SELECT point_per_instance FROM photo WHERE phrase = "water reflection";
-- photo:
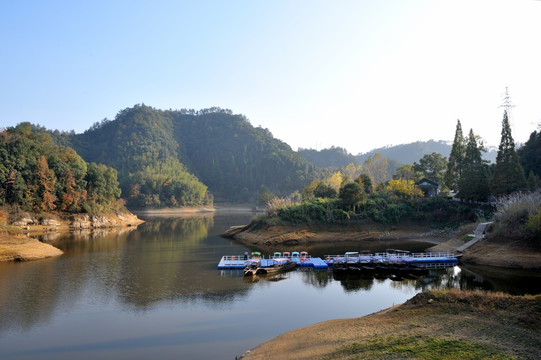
(162, 275)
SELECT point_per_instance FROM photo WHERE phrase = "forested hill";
(333, 157)
(36, 174)
(169, 158)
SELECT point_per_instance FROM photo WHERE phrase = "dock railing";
(416, 255)
(233, 259)
(390, 256)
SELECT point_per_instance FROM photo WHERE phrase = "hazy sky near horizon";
(355, 74)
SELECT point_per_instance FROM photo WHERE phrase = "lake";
(155, 291)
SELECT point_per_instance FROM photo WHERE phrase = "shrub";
(519, 214)
(534, 224)
(518, 207)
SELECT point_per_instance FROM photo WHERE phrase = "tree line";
(367, 191)
(36, 174)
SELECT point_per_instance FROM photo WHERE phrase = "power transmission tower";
(507, 105)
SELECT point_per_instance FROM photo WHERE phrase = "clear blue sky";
(356, 74)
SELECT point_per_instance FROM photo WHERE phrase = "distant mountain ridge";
(410, 153)
(336, 157)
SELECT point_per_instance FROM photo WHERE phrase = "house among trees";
(428, 187)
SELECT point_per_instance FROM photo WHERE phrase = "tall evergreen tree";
(456, 159)
(508, 173)
(473, 183)
(530, 154)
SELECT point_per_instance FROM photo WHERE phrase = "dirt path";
(442, 324)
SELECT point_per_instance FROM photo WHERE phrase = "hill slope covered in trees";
(36, 174)
(175, 157)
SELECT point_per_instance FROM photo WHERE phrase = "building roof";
(426, 182)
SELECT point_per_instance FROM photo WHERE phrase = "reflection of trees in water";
(317, 278)
(168, 260)
(158, 261)
(354, 282)
(190, 229)
(29, 294)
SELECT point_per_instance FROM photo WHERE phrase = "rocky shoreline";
(23, 246)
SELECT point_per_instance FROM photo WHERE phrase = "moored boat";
(251, 267)
(278, 265)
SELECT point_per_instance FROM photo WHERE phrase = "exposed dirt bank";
(437, 324)
(274, 235)
(497, 252)
(23, 247)
(510, 254)
(491, 252)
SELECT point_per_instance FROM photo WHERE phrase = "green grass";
(420, 347)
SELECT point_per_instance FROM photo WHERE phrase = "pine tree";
(508, 173)
(473, 183)
(456, 159)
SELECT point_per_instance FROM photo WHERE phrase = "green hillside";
(181, 157)
(37, 174)
(331, 158)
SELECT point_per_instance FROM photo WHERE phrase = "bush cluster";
(519, 215)
(380, 207)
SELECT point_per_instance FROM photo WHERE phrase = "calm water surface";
(154, 291)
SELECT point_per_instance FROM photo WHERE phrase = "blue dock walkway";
(238, 262)
(410, 258)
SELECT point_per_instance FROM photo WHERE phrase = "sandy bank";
(23, 247)
(444, 324)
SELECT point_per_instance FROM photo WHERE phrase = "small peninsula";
(18, 240)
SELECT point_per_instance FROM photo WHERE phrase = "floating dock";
(408, 258)
(238, 262)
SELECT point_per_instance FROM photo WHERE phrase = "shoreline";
(23, 247)
(497, 253)
(439, 322)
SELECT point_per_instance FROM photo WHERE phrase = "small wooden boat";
(251, 267)
(278, 265)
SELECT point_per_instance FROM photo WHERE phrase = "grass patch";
(421, 347)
